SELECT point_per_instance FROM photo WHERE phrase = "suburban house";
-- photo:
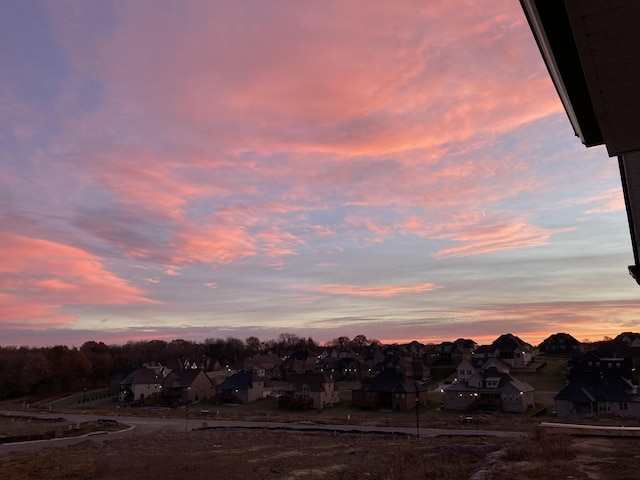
(450, 352)
(601, 382)
(373, 354)
(466, 369)
(431, 355)
(591, 395)
(300, 361)
(560, 343)
(487, 388)
(343, 368)
(187, 386)
(443, 350)
(390, 390)
(601, 362)
(266, 362)
(142, 383)
(462, 349)
(262, 364)
(244, 387)
(308, 390)
(629, 338)
(509, 348)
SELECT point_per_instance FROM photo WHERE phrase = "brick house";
(243, 387)
(309, 390)
(187, 386)
(390, 390)
(489, 389)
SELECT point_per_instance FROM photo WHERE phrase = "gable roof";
(510, 342)
(182, 378)
(560, 338)
(502, 379)
(390, 380)
(484, 349)
(143, 376)
(491, 362)
(596, 389)
(315, 381)
(241, 381)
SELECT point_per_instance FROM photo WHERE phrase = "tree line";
(34, 371)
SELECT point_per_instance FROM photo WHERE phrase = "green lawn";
(550, 378)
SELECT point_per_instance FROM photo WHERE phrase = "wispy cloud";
(39, 278)
(370, 291)
(245, 154)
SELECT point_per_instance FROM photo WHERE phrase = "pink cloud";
(311, 78)
(279, 106)
(480, 233)
(370, 291)
(608, 201)
(213, 245)
(276, 244)
(154, 182)
(39, 278)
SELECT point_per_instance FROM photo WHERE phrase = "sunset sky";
(402, 170)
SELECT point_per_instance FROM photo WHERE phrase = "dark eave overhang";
(552, 30)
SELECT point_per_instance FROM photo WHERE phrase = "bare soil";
(206, 454)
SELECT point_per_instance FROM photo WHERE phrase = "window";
(623, 406)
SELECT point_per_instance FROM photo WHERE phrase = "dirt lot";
(206, 454)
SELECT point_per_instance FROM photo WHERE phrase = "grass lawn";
(550, 378)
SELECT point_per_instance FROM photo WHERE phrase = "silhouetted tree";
(253, 345)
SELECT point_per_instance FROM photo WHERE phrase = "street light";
(84, 397)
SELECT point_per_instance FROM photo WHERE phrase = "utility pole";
(415, 384)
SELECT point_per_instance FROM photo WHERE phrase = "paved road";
(146, 425)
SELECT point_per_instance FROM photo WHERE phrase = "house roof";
(142, 376)
(465, 344)
(510, 342)
(241, 381)
(182, 378)
(267, 360)
(628, 337)
(593, 388)
(493, 374)
(502, 379)
(591, 49)
(246, 364)
(390, 380)
(560, 338)
(521, 386)
(314, 380)
(484, 349)
(492, 362)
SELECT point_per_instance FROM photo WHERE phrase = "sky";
(209, 169)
